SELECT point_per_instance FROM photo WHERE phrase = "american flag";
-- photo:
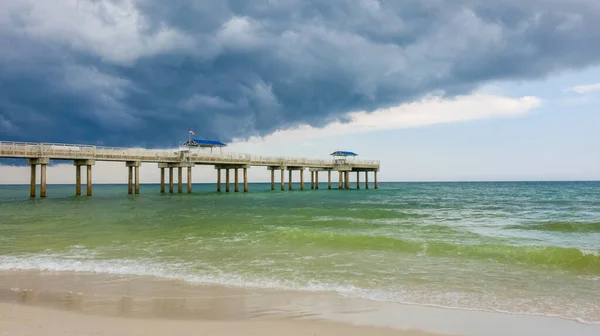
(192, 132)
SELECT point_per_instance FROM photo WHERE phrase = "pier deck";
(100, 153)
(87, 155)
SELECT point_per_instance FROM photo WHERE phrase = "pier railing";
(102, 153)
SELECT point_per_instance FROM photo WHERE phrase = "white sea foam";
(590, 252)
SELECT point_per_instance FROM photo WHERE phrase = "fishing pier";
(167, 160)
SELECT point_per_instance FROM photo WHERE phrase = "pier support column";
(88, 163)
(218, 179)
(301, 179)
(137, 179)
(43, 181)
(312, 179)
(340, 180)
(227, 180)
(170, 180)
(189, 180)
(162, 180)
(78, 180)
(179, 180)
(134, 183)
(329, 179)
(375, 180)
(33, 178)
(32, 182)
(290, 180)
(236, 187)
(347, 180)
(89, 180)
(272, 179)
(130, 180)
(316, 179)
(357, 180)
(171, 166)
(282, 179)
(236, 178)
(366, 180)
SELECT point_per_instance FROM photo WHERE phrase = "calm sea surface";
(529, 248)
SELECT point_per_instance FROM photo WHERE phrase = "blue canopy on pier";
(343, 153)
(204, 143)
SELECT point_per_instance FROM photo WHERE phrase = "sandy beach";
(18, 319)
(67, 303)
(79, 303)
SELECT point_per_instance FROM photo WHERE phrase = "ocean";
(528, 248)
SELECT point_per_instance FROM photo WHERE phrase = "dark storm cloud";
(142, 72)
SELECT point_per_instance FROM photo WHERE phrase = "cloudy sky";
(437, 90)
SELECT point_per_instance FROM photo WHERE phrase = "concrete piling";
(162, 180)
(236, 187)
(88, 163)
(78, 180)
(133, 182)
(282, 170)
(226, 180)
(170, 180)
(130, 180)
(89, 180)
(290, 170)
(346, 180)
(43, 181)
(245, 179)
(134, 176)
(272, 179)
(172, 166)
(32, 182)
(179, 180)
(33, 163)
(236, 177)
(189, 180)
(218, 179)
(137, 179)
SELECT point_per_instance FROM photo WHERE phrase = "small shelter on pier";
(205, 144)
(339, 157)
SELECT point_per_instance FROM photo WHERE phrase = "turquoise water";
(523, 247)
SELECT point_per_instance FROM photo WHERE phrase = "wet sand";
(71, 303)
(17, 319)
(77, 303)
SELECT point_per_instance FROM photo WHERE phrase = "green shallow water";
(528, 248)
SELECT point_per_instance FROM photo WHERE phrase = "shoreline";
(251, 290)
(109, 296)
